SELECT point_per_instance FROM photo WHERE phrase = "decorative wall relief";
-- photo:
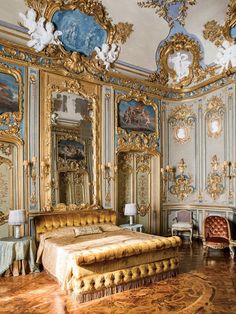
(182, 119)
(137, 122)
(214, 117)
(82, 27)
(223, 36)
(215, 185)
(183, 183)
(179, 60)
(11, 93)
(143, 172)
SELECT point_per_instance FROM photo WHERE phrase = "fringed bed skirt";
(89, 296)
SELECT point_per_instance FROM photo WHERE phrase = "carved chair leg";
(231, 249)
(191, 236)
(205, 250)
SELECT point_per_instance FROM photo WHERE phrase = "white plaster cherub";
(226, 56)
(107, 55)
(43, 34)
(29, 20)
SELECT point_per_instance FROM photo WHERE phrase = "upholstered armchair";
(183, 223)
(216, 234)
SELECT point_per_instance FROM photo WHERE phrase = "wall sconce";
(167, 174)
(229, 171)
(30, 169)
(107, 170)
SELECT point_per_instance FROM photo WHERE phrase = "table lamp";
(17, 218)
(130, 210)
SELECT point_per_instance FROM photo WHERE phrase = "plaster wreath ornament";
(226, 56)
(107, 54)
(42, 33)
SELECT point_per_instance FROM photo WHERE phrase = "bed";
(92, 263)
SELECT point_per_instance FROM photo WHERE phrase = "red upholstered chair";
(216, 234)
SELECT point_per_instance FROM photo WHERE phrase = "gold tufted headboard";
(44, 223)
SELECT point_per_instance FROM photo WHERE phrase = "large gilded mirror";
(72, 154)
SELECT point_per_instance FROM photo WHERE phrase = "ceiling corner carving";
(172, 11)
(58, 33)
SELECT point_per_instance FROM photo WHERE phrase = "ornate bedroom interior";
(117, 156)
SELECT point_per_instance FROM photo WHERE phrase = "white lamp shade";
(130, 209)
(17, 217)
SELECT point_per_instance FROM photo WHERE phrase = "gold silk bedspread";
(92, 265)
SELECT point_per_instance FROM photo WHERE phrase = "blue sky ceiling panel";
(80, 32)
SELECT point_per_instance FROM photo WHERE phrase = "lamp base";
(17, 232)
(131, 220)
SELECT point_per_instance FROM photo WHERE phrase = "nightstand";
(134, 227)
(17, 256)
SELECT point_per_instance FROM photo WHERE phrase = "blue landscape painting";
(233, 31)
(9, 93)
(136, 116)
(80, 32)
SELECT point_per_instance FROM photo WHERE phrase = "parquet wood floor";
(39, 294)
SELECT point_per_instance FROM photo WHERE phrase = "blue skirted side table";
(17, 256)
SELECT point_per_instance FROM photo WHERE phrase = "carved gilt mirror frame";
(48, 175)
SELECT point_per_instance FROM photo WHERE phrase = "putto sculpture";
(107, 54)
(42, 33)
(226, 56)
(181, 64)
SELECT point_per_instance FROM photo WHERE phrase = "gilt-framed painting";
(71, 150)
(11, 94)
(136, 116)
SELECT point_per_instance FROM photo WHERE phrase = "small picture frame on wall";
(137, 114)
(71, 150)
(11, 92)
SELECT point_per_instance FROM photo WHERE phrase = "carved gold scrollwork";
(10, 121)
(215, 179)
(217, 33)
(70, 86)
(178, 43)
(182, 120)
(75, 61)
(214, 116)
(136, 140)
(182, 186)
(6, 161)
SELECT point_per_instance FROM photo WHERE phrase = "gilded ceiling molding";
(71, 59)
(215, 179)
(10, 120)
(179, 61)
(182, 120)
(223, 36)
(137, 139)
(163, 9)
(214, 117)
(217, 33)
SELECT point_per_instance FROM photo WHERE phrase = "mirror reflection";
(72, 136)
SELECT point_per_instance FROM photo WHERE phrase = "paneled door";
(139, 182)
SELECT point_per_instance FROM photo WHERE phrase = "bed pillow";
(109, 227)
(85, 230)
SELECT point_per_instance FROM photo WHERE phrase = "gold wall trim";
(70, 86)
(167, 207)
